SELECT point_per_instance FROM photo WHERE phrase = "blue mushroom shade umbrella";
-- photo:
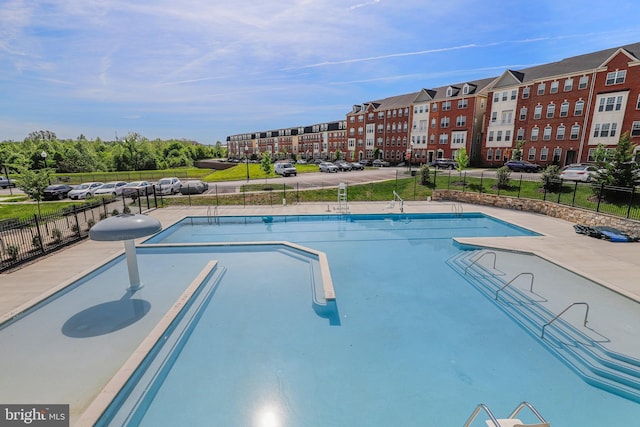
(126, 227)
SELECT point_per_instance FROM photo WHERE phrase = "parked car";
(579, 172)
(168, 186)
(193, 187)
(522, 166)
(114, 188)
(84, 190)
(365, 162)
(135, 188)
(285, 169)
(6, 182)
(445, 164)
(357, 166)
(379, 163)
(56, 192)
(343, 166)
(327, 167)
(301, 162)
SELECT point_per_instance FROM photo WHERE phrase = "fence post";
(435, 178)
(575, 190)
(155, 197)
(75, 215)
(217, 202)
(415, 180)
(449, 181)
(39, 234)
(560, 192)
(139, 201)
(104, 208)
(633, 190)
(520, 186)
(284, 192)
(297, 193)
(600, 196)
(464, 182)
(481, 183)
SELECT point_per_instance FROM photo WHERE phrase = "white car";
(168, 186)
(327, 167)
(114, 188)
(84, 190)
(579, 172)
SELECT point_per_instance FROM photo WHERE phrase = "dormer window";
(449, 91)
(465, 89)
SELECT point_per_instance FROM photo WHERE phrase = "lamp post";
(246, 159)
(44, 157)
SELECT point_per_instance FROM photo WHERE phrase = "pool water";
(414, 343)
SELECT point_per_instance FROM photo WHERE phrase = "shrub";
(36, 242)
(115, 212)
(551, 178)
(126, 210)
(503, 175)
(425, 178)
(103, 216)
(57, 235)
(75, 228)
(90, 223)
(13, 251)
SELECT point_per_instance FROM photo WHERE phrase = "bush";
(126, 210)
(115, 212)
(57, 235)
(103, 216)
(13, 251)
(503, 175)
(551, 178)
(425, 178)
(90, 223)
(75, 229)
(36, 242)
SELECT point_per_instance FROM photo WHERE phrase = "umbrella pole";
(132, 265)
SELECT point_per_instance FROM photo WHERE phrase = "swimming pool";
(410, 341)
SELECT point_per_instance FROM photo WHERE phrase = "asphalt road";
(320, 180)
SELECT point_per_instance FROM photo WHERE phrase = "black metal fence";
(25, 239)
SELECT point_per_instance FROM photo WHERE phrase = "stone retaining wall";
(568, 213)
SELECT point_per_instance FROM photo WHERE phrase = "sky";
(205, 69)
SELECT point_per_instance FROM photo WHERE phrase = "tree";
(462, 160)
(33, 183)
(619, 171)
(265, 164)
(517, 153)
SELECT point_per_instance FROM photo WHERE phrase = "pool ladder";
(212, 218)
(511, 421)
(457, 209)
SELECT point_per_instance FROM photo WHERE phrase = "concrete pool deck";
(614, 265)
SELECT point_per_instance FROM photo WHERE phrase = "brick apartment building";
(561, 111)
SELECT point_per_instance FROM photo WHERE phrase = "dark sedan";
(522, 166)
(56, 192)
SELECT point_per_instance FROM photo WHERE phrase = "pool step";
(579, 348)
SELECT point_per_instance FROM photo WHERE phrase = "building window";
(616, 77)
(444, 122)
(498, 154)
(584, 81)
(489, 154)
(532, 154)
(564, 109)
(496, 97)
(507, 135)
(551, 109)
(579, 108)
(433, 123)
(523, 113)
(557, 153)
(560, 132)
(444, 138)
(534, 133)
(504, 95)
(525, 92)
(434, 107)
(462, 103)
(554, 87)
(537, 112)
(514, 94)
(575, 132)
(490, 136)
(635, 128)
(520, 135)
(541, 88)
(446, 106)
(544, 154)
(546, 134)
(432, 139)
(568, 85)
(461, 121)
(507, 117)
(499, 136)
(494, 117)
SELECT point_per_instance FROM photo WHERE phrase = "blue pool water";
(414, 343)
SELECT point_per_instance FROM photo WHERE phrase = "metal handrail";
(511, 281)
(493, 419)
(477, 411)
(586, 315)
(531, 408)
(480, 257)
(397, 196)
